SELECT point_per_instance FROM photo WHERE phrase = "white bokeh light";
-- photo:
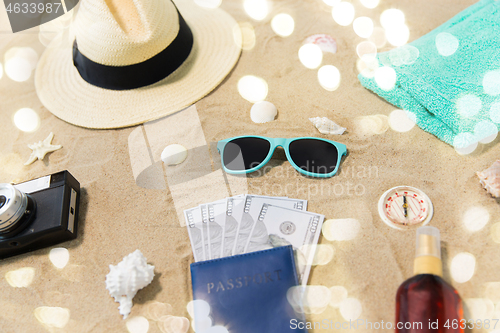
(245, 36)
(398, 36)
(485, 131)
(350, 308)
(480, 308)
(495, 233)
(469, 105)
(252, 88)
(201, 324)
(312, 298)
(366, 48)
(370, 3)
(208, 3)
(200, 307)
(475, 218)
(338, 295)
(495, 112)
(283, 25)
(137, 324)
(378, 37)
(462, 267)
(29, 54)
(385, 77)
(323, 254)
(331, 2)
(367, 65)
(465, 143)
(27, 120)
(256, 9)
(402, 121)
(175, 324)
(491, 82)
(340, 229)
(52, 317)
(404, 55)
(392, 18)
(446, 44)
(18, 69)
(343, 13)
(363, 26)
(26, 53)
(310, 55)
(329, 77)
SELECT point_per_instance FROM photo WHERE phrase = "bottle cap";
(428, 242)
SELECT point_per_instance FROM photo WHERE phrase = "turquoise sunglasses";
(314, 157)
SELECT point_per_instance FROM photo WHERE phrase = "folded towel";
(449, 79)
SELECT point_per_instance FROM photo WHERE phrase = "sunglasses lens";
(314, 156)
(245, 153)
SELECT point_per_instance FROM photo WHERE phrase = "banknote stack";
(249, 223)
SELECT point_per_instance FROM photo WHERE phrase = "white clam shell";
(490, 179)
(263, 112)
(125, 279)
(174, 154)
(327, 126)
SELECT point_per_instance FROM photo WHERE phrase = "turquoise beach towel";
(449, 79)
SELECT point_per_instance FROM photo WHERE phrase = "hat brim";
(63, 92)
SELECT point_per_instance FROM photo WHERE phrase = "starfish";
(41, 148)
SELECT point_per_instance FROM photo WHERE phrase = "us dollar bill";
(301, 229)
(215, 213)
(196, 232)
(253, 206)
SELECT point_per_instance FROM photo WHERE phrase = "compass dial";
(405, 206)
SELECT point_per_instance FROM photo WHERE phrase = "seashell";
(125, 279)
(325, 42)
(327, 126)
(490, 179)
(174, 154)
(263, 112)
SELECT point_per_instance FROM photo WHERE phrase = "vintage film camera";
(38, 213)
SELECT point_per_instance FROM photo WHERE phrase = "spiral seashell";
(490, 179)
(327, 126)
(127, 278)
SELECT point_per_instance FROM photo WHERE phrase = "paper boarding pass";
(299, 228)
(194, 226)
(253, 206)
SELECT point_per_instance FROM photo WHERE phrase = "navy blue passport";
(247, 292)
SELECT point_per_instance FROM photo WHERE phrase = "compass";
(404, 206)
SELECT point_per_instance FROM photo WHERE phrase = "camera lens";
(13, 204)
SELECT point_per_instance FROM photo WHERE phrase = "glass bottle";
(426, 302)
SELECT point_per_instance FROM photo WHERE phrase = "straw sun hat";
(131, 61)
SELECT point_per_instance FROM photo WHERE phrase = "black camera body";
(38, 213)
